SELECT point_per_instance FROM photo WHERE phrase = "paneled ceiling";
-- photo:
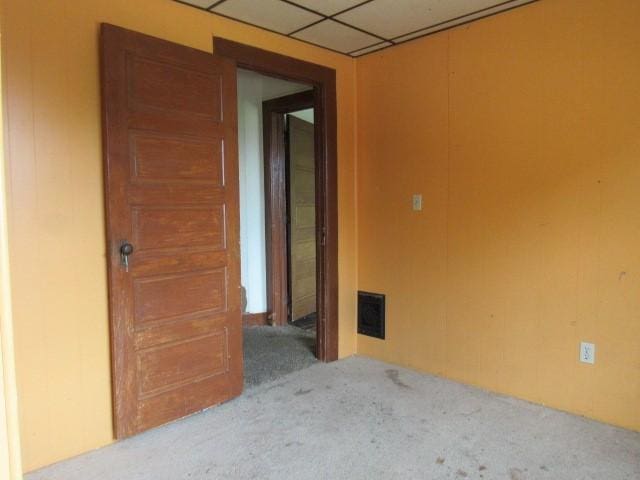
(355, 27)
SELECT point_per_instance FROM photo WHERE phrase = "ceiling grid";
(355, 27)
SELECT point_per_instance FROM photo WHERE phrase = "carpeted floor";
(362, 419)
(271, 352)
(307, 322)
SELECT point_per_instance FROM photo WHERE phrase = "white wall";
(306, 115)
(252, 250)
(253, 89)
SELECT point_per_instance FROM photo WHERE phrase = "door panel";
(170, 365)
(164, 297)
(164, 158)
(302, 209)
(180, 88)
(171, 177)
(163, 226)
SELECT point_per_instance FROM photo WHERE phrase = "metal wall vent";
(371, 310)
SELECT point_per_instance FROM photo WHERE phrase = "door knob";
(126, 249)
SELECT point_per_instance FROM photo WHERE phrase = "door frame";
(275, 182)
(323, 80)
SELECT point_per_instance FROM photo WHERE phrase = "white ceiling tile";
(328, 7)
(371, 49)
(336, 36)
(465, 19)
(199, 3)
(271, 14)
(397, 20)
(392, 18)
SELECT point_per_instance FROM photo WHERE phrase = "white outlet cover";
(587, 352)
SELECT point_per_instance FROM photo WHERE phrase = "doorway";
(301, 219)
(323, 81)
(273, 349)
(172, 220)
(290, 158)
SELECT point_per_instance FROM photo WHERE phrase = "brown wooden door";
(302, 208)
(170, 143)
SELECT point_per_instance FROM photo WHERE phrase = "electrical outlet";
(587, 352)
(417, 202)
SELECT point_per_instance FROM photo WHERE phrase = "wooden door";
(302, 218)
(171, 178)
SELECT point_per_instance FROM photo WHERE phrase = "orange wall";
(56, 203)
(522, 132)
(10, 460)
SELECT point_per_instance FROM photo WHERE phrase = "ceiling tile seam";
(208, 10)
(215, 4)
(382, 39)
(361, 30)
(393, 41)
(307, 26)
(352, 7)
(302, 7)
(369, 46)
(265, 28)
(324, 17)
(332, 17)
(183, 2)
(445, 28)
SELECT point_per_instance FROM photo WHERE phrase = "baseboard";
(255, 319)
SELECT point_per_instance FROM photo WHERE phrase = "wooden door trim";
(323, 80)
(273, 125)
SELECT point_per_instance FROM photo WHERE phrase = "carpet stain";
(469, 414)
(303, 392)
(394, 376)
(482, 467)
(516, 474)
(274, 386)
(439, 460)
(462, 473)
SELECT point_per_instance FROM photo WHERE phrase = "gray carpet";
(271, 352)
(363, 419)
(308, 322)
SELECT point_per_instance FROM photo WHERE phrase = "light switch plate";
(587, 352)
(417, 202)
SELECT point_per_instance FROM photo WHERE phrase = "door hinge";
(323, 236)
